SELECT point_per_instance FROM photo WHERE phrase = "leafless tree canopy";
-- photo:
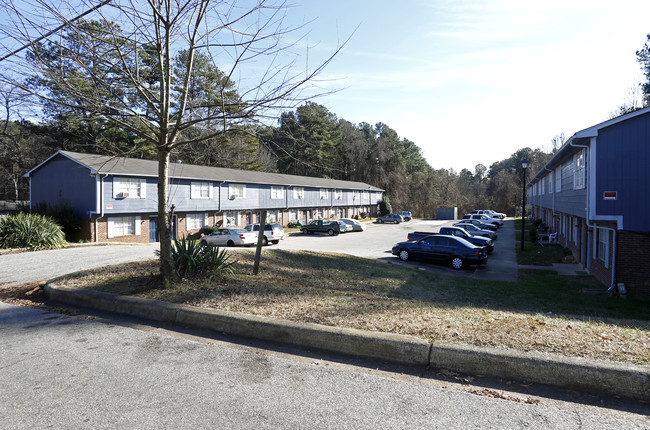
(158, 69)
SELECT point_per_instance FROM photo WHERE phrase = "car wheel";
(457, 263)
(380, 221)
(264, 241)
(304, 231)
(230, 243)
(396, 222)
(275, 242)
(330, 232)
(403, 254)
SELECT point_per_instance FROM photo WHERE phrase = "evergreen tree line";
(224, 131)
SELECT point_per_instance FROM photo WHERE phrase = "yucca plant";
(195, 258)
(28, 230)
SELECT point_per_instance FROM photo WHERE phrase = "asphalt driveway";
(376, 243)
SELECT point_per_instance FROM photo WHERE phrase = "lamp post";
(524, 164)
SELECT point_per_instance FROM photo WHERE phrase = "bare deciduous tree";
(133, 64)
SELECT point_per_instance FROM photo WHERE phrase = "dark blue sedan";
(443, 249)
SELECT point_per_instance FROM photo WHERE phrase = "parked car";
(356, 225)
(442, 249)
(406, 215)
(484, 218)
(273, 232)
(490, 213)
(477, 223)
(323, 226)
(230, 237)
(476, 231)
(458, 232)
(394, 218)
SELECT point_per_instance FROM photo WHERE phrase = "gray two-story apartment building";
(116, 197)
(595, 194)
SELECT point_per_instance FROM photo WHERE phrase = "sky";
(473, 81)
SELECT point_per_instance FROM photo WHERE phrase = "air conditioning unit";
(122, 195)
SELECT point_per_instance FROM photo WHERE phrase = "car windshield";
(238, 230)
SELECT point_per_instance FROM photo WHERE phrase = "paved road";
(59, 371)
(36, 266)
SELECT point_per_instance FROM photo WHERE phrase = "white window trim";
(237, 187)
(550, 183)
(558, 179)
(338, 194)
(355, 195)
(603, 239)
(579, 170)
(196, 188)
(111, 230)
(298, 193)
(324, 193)
(277, 192)
(119, 185)
(201, 217)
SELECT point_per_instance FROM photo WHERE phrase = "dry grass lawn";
(542, 311)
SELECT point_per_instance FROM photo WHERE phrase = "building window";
(541, 187)
(318, 214)
(558, 179)
(201, 190)
(338, 194)
(550, 184)
(272, 216)
(195, 221)
(298, 193)
(579, 170)
(277, 192)
(237, 191)
(366, 195)
(355, 195)
(603, 245)
(129, 187)
(293, 215)
(123, 226)
(324, 193)
(230, 218)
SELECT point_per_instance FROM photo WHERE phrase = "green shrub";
(33, 231)
(194, 258)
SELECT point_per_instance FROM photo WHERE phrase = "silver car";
(231, 237)
(354, 224)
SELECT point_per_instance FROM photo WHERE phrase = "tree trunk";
(164, 221)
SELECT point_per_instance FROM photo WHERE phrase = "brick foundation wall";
(632, 269)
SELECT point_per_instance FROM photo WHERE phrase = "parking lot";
(377, 241)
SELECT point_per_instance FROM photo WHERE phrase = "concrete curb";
(619, 379)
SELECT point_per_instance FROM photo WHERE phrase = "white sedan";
(231, 237)
(354, 224)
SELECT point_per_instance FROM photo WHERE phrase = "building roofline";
(123, 166)
(582, 136)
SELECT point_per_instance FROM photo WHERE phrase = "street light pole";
(524, 164)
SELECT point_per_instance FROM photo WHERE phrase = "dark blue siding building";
(595, 194)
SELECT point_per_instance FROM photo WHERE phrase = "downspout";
(99, 204)
(219, 205)
(588, 217)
